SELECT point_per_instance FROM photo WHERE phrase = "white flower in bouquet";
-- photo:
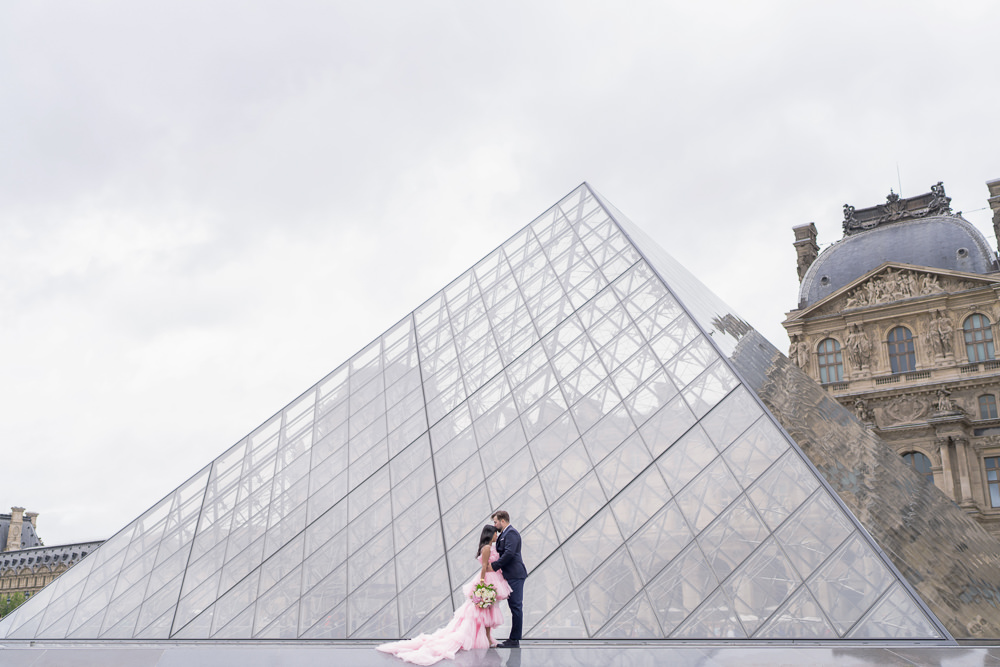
(484, 595)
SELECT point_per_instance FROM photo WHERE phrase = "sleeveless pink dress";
(466, 630)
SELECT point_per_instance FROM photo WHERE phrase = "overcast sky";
(207, 206)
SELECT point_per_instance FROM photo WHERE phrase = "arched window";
(987, 406)
(831, 361)
(978, 338)
(901, 356)
(920, 463)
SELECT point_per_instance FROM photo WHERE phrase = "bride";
(470, 626)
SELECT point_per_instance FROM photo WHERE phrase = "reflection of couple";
(499, 554)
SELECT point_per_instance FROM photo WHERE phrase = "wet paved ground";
(532, 654)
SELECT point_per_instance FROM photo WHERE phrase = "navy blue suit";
(514, 572)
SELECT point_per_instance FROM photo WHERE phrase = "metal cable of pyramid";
(671, 476)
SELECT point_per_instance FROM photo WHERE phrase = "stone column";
(948, 477)
(14, 532)
(962, 451)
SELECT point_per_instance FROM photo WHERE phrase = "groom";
(509, 548)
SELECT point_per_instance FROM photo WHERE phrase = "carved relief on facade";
(988, 442)
(904, 410)
(893, 286)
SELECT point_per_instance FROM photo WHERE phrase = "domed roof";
(939, 241)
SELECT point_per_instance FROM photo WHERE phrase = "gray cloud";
(206, 207)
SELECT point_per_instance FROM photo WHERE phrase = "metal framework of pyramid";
(561, 378)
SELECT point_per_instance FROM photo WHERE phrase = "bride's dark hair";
(485, 537)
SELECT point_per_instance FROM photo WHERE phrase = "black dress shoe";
(510, 643)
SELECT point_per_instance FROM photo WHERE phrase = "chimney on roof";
(33, 518)
(806, 249)
(994, 202)
(14, 531)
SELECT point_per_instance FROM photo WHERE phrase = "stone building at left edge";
(26, 564)
(899, 321)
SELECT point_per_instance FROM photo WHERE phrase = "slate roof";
(942, 242)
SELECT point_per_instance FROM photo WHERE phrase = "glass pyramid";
(561, 379)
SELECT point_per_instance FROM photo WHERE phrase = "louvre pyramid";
(561, 379)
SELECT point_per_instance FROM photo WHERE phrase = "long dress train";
(466, 630)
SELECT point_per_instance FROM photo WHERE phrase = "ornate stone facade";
(909, 349)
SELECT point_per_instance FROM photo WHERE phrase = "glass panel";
(529, 503)
(635, 371)
(542, 537)
(564, 472)
(896, 616)
(715, 619)
(688, 457)
(499, 449)
(636, 621)
(640, 500)
(608, 590)
(681, 587)
(732, 537)
(324, 560)
(608, 433)
(592, 408)
(814, 532)
(455, 453)
(465, 514)
(322, 600)
(591, 545)
(417, 558)
(459, 483)
(782, 489)
(550, 583)
(709, 388)
(659, 541)
(548, 444)
(622, 466)
(799, 618)
(369, 523)
(754, 451)
(652, 396)
(363, 603)
(759, 587)
(505, 480)
(849, 583)
(366, 560)
(708, 495)
(663, 428)
(565, 622)
(420, 599)
(578, 505)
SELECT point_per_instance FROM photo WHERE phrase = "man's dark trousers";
(514, 601)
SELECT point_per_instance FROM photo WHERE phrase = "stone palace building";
(26, 564)
(898, 321)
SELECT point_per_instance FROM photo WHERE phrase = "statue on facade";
(849, 218)
(798, 352)
(941, 334)
(863, 412)
(939, 204)
(859, 348)
(945, 403)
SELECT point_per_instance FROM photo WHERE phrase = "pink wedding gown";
(466, 630)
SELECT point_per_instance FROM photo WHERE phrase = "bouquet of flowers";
(484, 595)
